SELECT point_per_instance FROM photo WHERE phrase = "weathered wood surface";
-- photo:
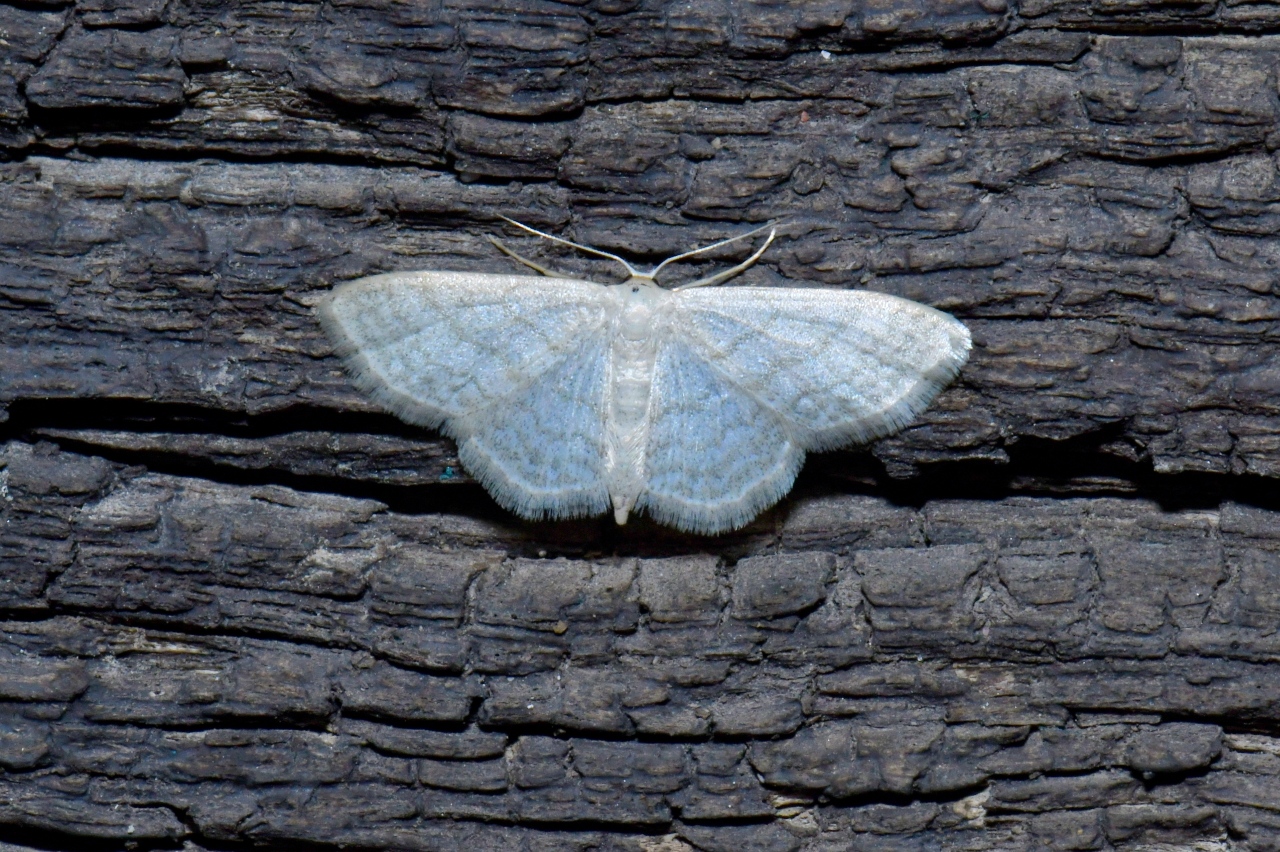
(241, 607)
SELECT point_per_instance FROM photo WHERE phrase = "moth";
(694, 404)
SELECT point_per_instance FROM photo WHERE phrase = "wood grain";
(242, 608)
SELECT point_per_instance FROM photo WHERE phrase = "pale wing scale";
(511, 366)
(839, 366)
(435, 346)
(540, 450)
(716, 456)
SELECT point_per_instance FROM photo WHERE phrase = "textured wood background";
(240, 607)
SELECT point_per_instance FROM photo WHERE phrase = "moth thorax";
(636, 320)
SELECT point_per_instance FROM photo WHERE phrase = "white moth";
(568, 397)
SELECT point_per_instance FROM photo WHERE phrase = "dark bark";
(242, 607)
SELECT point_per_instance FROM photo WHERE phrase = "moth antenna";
(729, 273)
(550, 273)
(766, 226)
(588, 249)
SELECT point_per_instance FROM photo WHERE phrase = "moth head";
(641, 279)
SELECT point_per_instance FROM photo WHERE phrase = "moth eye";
(635, 289)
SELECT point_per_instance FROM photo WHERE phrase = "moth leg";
(550, 273)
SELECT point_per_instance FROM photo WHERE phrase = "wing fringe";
(529, 502)
(703, 519)
(365, 377)
(907, 407)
